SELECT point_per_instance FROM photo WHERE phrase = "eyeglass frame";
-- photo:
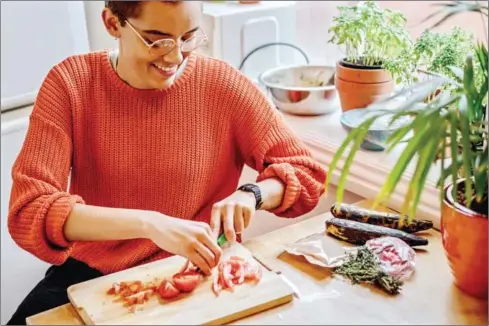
(150, 46)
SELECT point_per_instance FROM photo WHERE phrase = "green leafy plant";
(439, 52)
(453, 125)
(372, 36)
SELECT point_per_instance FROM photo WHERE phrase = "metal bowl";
(302, 89)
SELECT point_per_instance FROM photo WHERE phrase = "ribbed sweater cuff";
(56, 218)
(286, 173)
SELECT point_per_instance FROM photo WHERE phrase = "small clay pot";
(464, 236)
(359, 85)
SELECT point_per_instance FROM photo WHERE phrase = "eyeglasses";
(164, 46)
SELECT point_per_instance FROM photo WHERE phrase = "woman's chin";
(160, 82)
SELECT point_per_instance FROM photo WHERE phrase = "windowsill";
(324, 134)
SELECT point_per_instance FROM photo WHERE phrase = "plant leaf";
(457, 72)
(337, 156)
(427, 157)
(466, 153)
(454, 149)
(353, 134)
(431, 84)
(402, 163)
(441, 180)
(471, 92)
(363, 130)
(480, 175)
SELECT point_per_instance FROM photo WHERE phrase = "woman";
(153, 139)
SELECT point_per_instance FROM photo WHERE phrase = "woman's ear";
(111, 23)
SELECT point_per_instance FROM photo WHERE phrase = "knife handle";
(221, 239)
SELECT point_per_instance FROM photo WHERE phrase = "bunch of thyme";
(364, 267)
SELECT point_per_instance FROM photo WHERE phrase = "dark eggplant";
(359, 233)
(388, 220)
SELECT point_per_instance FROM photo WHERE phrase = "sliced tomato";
(150, 286)
(130, 301)
(227, 276)
(187, 281)
(167, 290)
(240, 273)
(112, 290)
(253, 272)
(136, 287)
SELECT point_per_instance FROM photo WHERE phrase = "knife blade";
(282, 276)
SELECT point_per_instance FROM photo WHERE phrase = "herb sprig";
(363, 267)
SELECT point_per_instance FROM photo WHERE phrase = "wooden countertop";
(429, 297)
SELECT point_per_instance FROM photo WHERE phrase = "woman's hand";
(234, 213)
(190, 239)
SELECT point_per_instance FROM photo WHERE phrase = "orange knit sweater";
(94, 139)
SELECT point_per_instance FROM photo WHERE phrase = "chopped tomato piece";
(187, 281)
(136, 287)
(111, 290)
(234, 271)
(167, 290)
(150, 286)
(130, 301)
(227, 277)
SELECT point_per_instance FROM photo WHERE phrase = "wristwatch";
(249, 187)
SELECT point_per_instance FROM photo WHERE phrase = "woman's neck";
(114, 60)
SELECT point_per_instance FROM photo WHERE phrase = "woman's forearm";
(95, 223)
(272, 192)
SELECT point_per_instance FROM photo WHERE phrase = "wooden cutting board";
(201, 307)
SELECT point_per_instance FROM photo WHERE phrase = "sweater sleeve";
(39, 201)
(270, 147)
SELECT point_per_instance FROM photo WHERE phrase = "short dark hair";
(126, 9)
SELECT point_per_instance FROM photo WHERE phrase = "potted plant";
(373, 38)
(436, 53)
(454, 121)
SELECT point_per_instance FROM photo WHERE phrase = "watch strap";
(249, 187)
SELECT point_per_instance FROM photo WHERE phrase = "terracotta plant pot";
(358, 86)
(464, 234)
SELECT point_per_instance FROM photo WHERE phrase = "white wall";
(98, 37)
(313, 21)
(20, 270)
(35, 36)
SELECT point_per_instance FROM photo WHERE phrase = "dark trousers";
(50, 292)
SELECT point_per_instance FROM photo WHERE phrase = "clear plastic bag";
(319, 249)
(396, 257)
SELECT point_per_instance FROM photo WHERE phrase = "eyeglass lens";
(165, 46)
